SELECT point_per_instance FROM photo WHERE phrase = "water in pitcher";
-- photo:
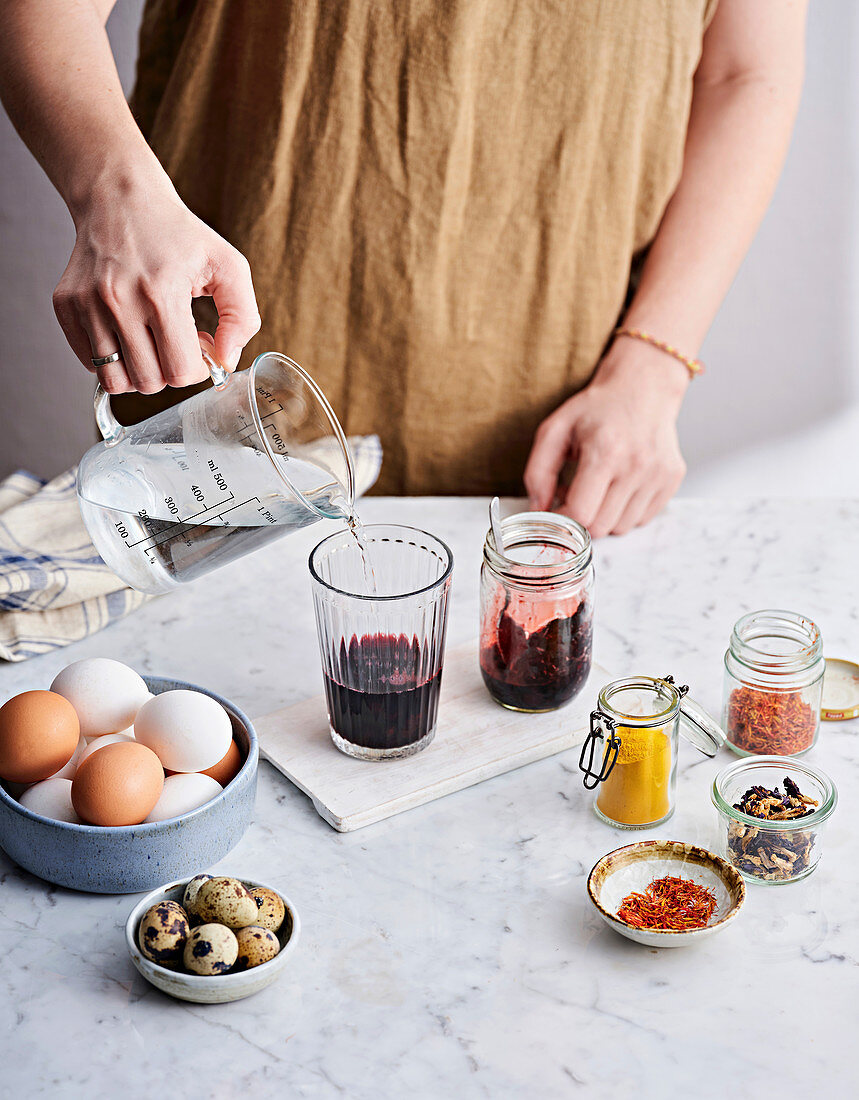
(176, 515)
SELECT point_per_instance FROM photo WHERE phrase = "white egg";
(128, 732)
(99, 743)
(51, 798)
(188, 731)
(106, 694)
(183, 793)
(67, 771)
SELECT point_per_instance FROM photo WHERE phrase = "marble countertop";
(451, 951)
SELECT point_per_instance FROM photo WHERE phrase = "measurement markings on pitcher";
(183, 526)
(247, 429)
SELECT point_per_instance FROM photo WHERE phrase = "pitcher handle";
(111, 429)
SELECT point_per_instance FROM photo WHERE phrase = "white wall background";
(777, 412)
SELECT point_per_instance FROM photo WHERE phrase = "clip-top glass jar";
(536, 612)
(636, 726)
(773, 684)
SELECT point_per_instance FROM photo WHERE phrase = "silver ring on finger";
(105, 359)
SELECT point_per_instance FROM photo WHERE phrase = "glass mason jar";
(772, 852)
(536, 612)
(773, 684)
(634, 738)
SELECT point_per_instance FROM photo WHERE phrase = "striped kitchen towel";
(54, 587)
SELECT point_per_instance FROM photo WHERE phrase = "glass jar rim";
(790, 626)
(790, 764)
(534, 527)
(640, 683)
(695, 724)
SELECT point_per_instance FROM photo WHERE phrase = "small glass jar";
(773, 684)
(536, 612)
(634, 736)
(772, 853)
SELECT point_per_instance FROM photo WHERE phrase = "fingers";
(636, 498)
(140, 356)
(614, 490)
(73, 330)
(238, 317)
(90, 333)
(634, 512)
(659, 500)
(548, 455)
(587, 492)
(157, 335)
(104, 340)
(177, 344)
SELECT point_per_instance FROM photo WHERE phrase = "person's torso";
(440, 201)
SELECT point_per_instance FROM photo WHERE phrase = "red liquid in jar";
(542, 670)
(384, 704)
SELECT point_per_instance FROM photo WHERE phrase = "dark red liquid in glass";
(383, 704)
(538, 671)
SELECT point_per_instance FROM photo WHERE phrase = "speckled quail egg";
(189, 898)
(162, 933)
(270, 906)
(226, 901)
(257, 945)
(210, 949)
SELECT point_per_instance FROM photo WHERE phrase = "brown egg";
(39, 732)
(118, 785)
(227, 768)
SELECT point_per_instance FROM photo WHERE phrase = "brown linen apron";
(441, 201)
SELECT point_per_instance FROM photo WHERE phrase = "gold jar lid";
(840, 690)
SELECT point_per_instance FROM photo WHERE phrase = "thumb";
(238, 318)
(548, 454)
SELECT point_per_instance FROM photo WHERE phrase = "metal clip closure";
(681, 689)
(601, 725)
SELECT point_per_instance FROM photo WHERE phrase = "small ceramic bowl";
(215, 988)
(131, 858)
(635, 866)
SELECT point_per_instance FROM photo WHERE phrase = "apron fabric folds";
(441, 201)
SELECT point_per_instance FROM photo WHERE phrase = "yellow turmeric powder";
(637, 792)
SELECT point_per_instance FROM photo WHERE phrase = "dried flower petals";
(767, 853)
(775, 806)
(671, 903)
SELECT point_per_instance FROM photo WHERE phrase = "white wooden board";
(475, 739)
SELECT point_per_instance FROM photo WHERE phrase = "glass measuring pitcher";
(223, 473)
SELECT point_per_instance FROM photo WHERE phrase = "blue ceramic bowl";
(131, 858)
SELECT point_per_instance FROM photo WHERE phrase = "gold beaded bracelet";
(694, 366)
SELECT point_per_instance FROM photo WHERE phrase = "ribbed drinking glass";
(381, 616)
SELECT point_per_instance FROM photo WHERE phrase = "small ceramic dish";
(635, 866)
(215, 988)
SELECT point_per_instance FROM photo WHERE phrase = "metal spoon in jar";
(495, 524)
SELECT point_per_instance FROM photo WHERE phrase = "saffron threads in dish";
(671, 903)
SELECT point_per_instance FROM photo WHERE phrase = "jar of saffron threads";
(774, 671)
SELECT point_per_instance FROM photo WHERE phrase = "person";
(449, 208)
